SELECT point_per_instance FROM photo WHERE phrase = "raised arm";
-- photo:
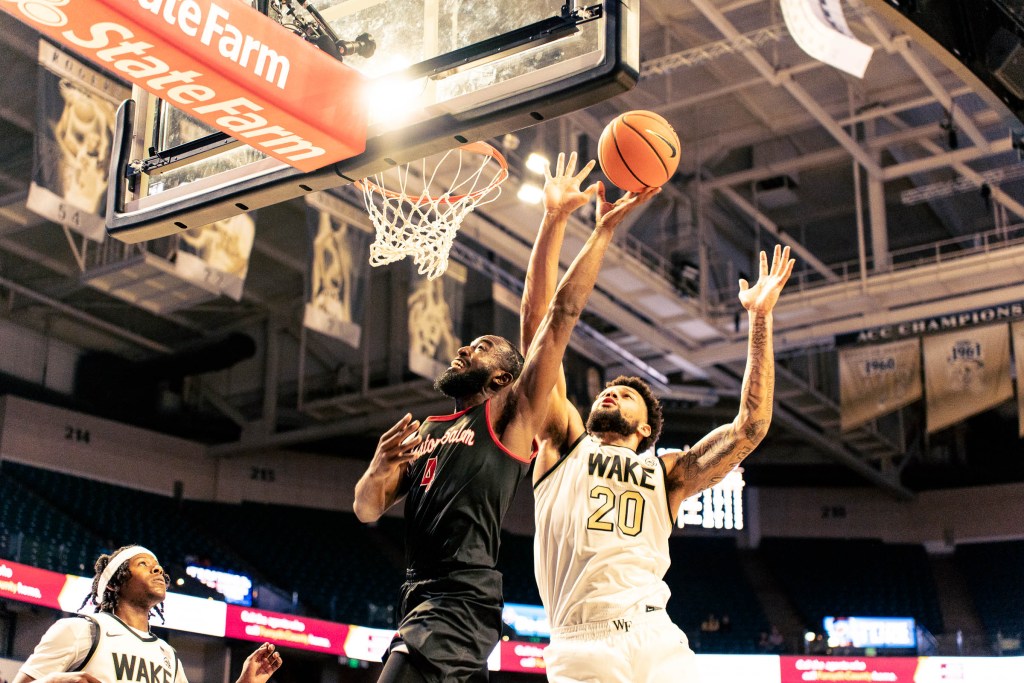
(714, 456)
(524, 407)
(562, 196)
(379, 487)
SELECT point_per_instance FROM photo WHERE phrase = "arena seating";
(854, 577)
(993, 574)
(706, 577)
(39, 534)
(329, 565)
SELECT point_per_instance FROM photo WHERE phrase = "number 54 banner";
(74, 133)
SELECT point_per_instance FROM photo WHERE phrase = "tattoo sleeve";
(723, 449)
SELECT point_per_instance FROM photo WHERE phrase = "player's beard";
(455, 384)
(609, 421)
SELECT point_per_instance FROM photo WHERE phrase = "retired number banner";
(75, 108)
(217, 255)
(339, 272)
(966, 372)
(435, 319)
(878, 379)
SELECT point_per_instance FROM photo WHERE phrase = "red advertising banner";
(223, 63)
(881, 669)
(28, 584)
(286, 630)
(522, 657)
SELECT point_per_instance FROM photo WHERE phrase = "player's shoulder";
(77, 624)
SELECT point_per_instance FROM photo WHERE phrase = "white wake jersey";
(105, 648)
(603, 524)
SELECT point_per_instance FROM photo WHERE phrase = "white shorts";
(642, 648)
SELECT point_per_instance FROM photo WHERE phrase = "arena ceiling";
(899, 193)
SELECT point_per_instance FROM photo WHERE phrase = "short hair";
(654, 416)
(509, 357)
(109, 601)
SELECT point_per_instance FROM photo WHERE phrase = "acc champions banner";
(75, 113)
(878, 379)
(966, 372)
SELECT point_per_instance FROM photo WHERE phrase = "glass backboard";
(441, 72)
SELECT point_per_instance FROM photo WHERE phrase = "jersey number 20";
(629, 509)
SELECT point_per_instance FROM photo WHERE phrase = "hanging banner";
(875, 380)
(1018, 356)
(1012, 310)
(339, 273)
(435, 319)
(217, 255)
(75, 112)
(966, 373)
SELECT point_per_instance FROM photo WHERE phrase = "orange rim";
(482, 148)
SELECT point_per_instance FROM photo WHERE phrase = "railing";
(943, 251)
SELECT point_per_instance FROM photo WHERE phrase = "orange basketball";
(637, 150)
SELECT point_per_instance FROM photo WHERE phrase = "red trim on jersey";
(490, 430)
(499, 444)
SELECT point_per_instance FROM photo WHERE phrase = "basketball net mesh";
(423, 225)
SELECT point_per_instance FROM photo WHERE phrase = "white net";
(410, 221)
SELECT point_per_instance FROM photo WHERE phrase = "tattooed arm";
(714, 456)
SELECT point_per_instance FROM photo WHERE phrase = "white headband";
(115, 562)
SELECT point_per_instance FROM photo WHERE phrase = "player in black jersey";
(459, 473)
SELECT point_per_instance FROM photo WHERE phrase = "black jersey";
(457, 492)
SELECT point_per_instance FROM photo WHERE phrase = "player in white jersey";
(116, 644)
(604, 504)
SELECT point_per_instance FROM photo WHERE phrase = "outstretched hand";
(562, 193)
(395, 447)
(761, 298)
(609, 214)
(260, 665)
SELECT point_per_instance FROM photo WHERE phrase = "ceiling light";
(819, 28)
(537, 162)
(530, 193)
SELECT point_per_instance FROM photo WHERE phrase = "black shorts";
(451, 624)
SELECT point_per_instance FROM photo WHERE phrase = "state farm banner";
(965, 373)
(339, 274)
(367, 644)
(216, 256)
(875, 380)
(287, 630)
(522, 657)
(1017, 330)
(28, 584)
(811, 668)
(435, 319)
(75, 111)
(223, 63)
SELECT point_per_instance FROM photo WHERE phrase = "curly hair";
(108, 602)
(654, 416)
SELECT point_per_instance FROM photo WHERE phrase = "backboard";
(442, 73)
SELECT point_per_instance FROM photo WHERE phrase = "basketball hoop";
(421, 224)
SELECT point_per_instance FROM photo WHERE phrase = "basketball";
(638, 149)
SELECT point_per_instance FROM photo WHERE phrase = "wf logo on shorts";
(223, 63)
